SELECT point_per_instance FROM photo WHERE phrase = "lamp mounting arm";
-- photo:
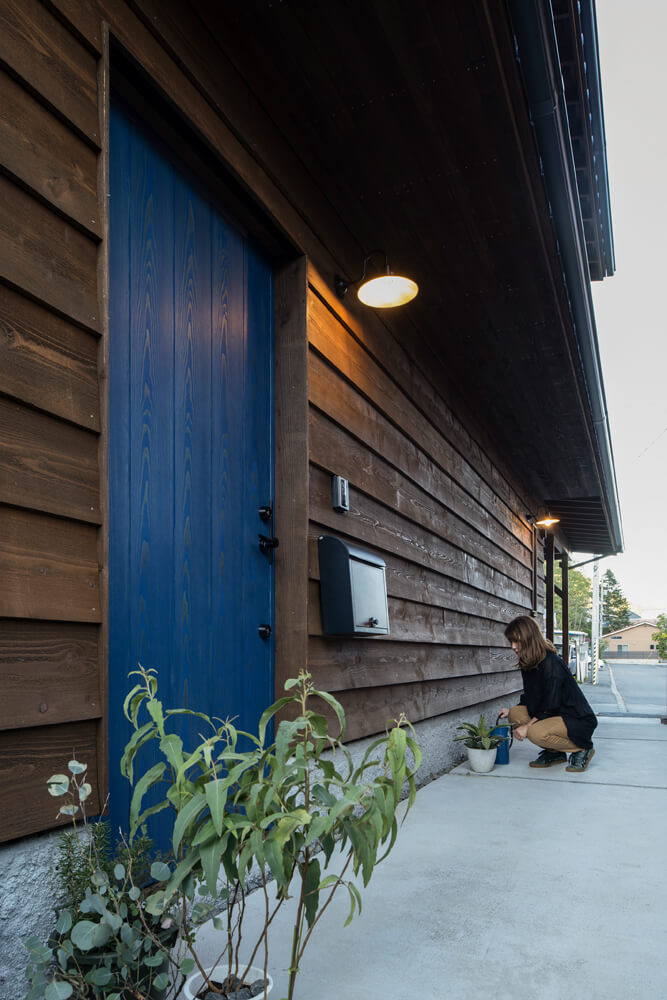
(342, 284)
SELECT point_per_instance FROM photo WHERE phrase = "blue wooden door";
(190, 448)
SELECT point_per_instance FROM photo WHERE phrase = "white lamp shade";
(387, 291)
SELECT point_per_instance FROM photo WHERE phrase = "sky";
(631, 306)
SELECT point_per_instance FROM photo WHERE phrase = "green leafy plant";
(71, 873)
(479, 737)
(78, 855)
(288, 806)
(106, 943)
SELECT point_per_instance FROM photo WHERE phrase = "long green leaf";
(210, 860)
(268, 714)
(132, 703)
(364, 856)
(138, 738)
(286, 733)
(321, 794)
(311, 890)
(392, 841)
(274, 859)
(187, 763)
(316, 829)
(185, 816)
(353, 903)
(342, 806)
(216, 797)
(415, 750)
(337, 707)
(181, 873)
(152, 810)
(171, 746)
(146, 781)
(318, 724)
(357, 895)
(204, 834)
(157, 715)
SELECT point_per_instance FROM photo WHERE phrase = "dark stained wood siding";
(24, 772)
(351, 398)
(458, 552)
(50, 486)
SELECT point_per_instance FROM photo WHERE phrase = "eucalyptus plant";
(280, 808)
(105, 942)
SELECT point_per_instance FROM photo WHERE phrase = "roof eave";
(537, 51)
(597, 129)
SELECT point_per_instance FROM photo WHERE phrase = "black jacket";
(549, 690)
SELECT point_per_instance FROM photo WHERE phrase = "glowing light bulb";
(387, 291)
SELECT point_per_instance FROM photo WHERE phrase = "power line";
(651, 444)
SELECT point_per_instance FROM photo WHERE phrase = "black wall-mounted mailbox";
(353, 589)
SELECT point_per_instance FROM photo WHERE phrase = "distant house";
(635, 641)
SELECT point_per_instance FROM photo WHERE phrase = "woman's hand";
(521, 732)
(503, 713)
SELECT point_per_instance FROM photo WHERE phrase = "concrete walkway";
(518, 885)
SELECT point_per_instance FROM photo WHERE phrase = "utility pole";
(595, 623)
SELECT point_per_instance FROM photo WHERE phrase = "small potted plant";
(105, 942)
(481, 743)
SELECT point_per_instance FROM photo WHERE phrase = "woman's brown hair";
(534, 647)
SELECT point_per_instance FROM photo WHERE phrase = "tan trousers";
(550, 734)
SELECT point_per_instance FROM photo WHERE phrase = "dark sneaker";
(580, 760)
(548, 758)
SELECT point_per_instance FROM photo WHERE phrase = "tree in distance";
(580, 600)
(616, 610)
(660, 637)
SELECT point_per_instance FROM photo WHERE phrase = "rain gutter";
(537, 53)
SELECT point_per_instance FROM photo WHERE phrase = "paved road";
(629, 689)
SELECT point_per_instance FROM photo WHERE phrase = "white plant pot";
(193, 983)
(481, 760)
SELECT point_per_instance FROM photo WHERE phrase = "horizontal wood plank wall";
(24, 772)
(50, 490)
(457, 549)
(425, 495)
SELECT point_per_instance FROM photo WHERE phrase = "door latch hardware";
(265, 512)
(267, 545)
(264, 631)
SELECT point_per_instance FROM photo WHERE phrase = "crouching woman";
(553, 712)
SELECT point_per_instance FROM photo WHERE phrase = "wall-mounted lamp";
(384, 291)
(543, 518)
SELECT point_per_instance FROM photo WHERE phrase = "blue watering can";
(503, 728)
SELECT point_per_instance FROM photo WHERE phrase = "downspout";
(537, 52)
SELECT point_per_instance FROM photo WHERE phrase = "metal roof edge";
(594, 80)
(537, 52)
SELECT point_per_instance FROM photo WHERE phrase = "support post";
(565, 601)
(595, 623)
(534, 533)
(549, 559)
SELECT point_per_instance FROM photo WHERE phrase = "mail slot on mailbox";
(353, 589)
